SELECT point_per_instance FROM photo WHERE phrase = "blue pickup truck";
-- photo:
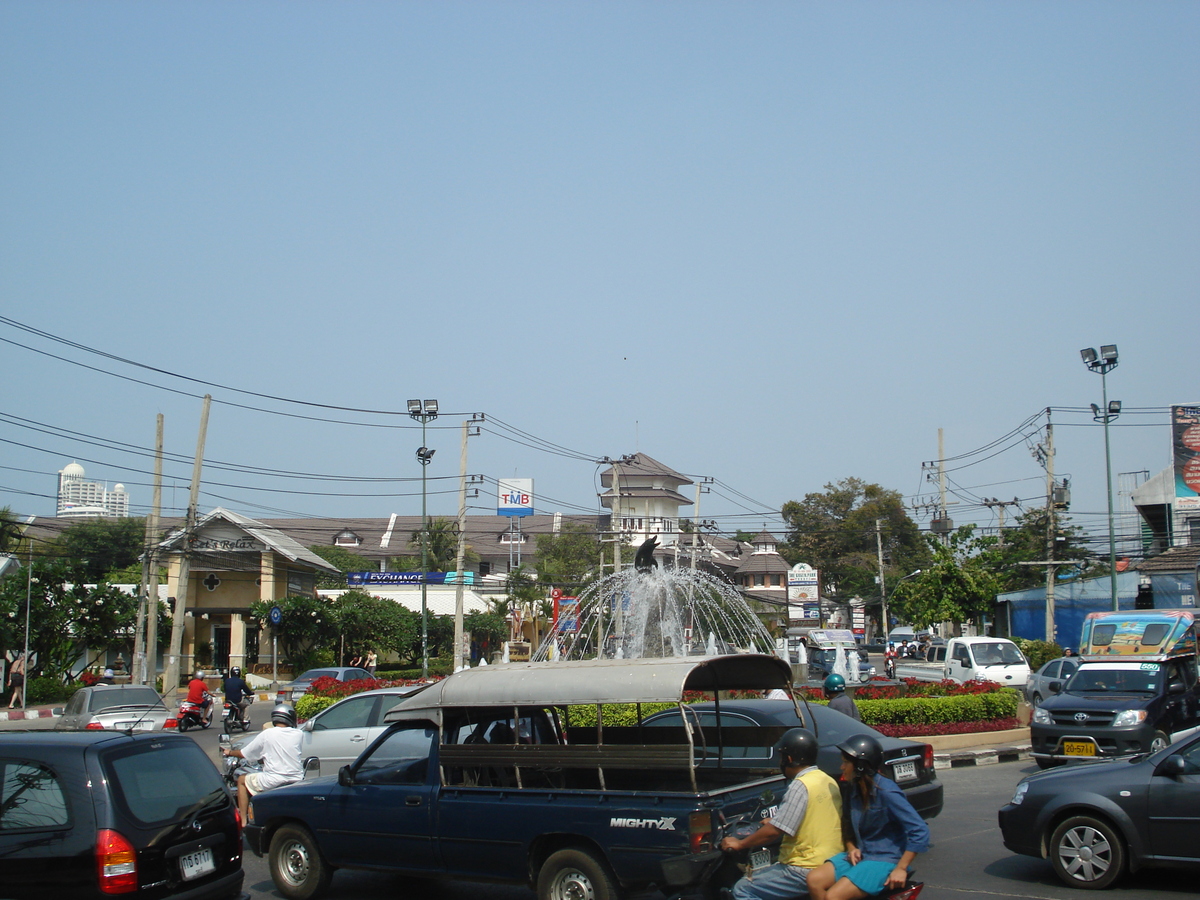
(510, 774)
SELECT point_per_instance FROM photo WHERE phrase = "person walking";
(808, 821)
(16, 682)
(835, 693)
(371, 660)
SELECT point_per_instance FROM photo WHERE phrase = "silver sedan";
(115, 707)
(1036, 688)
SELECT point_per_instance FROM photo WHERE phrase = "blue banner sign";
(367, 578)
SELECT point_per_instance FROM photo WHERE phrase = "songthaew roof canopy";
(593, 681)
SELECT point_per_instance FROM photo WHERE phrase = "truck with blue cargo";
(1135, 690)
(512, 774)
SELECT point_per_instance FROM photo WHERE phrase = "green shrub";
(308, 705)
(1038, 652)
(614, 713)
(43, 689)
(935, 710)
(437, 669)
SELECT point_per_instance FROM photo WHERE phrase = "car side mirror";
(57, 711)
(1054, 687)
(224, 739)
(308, 725)
(345, 776)
(1176, 687)
(1171, 767)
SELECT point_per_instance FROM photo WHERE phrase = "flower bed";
(324, 692)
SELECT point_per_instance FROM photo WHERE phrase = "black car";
(96, 813)
(908, 763)
(1098, 820)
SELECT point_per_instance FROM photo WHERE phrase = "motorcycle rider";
(808, 821)
(199, 695)
(279, 750)
(237, 693)
(835, 692)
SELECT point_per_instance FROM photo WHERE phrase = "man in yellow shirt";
(809, 821)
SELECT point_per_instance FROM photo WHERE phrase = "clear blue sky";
(777, 244)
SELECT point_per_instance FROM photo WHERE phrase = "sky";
(775, 245)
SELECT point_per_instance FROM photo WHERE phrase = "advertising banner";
(358, 579)
(1185, 441)
(515, 497)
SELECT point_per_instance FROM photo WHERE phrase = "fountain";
(658, 611)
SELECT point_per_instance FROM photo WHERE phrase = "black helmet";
(865, 751)
(283, 715)
(799, 745)
(235, 672)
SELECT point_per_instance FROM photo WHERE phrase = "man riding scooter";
(237, 693)
(279, 749)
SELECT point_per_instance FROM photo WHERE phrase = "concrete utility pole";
(172, 669)
(461, 553)
(883, 619)
(1051, 531)
(145, 641)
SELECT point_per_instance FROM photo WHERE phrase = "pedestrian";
(371, 660)
(1068, 652)
(808, 821)
(835, 692)
(16, 681)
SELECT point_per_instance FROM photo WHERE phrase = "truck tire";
(1159, 741)
(574, 874)
(297, 867)
(1087, 852)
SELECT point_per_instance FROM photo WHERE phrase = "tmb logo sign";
(515, 498)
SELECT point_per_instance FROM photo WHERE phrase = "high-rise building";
(80, 498)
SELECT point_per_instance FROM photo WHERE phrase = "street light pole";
(1105, 363)
(424, 414)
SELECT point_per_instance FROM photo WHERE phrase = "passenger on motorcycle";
(237, 692)
(199, 695)
(808, 821)
(882, 832)
(279, 750)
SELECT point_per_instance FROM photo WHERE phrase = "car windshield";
(1139, 678)
(997, 655)
(314, 674)
(157, 782)
(110, 699)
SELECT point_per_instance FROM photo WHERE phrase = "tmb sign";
(516, 497)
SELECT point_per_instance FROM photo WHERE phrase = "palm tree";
(442, 546)
(11, 530)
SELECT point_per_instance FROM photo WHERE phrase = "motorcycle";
(745, 862)
(233, 766)
(233, 717)
(192, 715)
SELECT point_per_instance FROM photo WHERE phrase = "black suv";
(94, 814)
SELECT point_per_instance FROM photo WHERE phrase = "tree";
(344, 560)
(10, 530)
(367, 623)
(960, 582)
(100, 546)
(1026, 542)
(834, 532)
(569, 559)
(309, 625)
(441, 549)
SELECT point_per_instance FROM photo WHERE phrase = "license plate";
(760, 859)
(136, 725)
(195, 865)
(905, 771)
(1079, 748)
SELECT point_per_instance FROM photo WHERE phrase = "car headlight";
(1019, 794)
(871, 671)
(1042, 717)
(1129, 717)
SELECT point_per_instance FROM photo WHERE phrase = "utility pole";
(993, 503)
(145, 641)
(460, 554)
(882, 586)
(1051, 530)
(172, 669)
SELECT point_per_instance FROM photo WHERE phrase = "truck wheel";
(575, 875)
(1159, 741)
(1087, 852)
(297, 867)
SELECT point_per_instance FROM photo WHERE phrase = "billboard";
(515, 497)
(1185, 446)
(803, 582)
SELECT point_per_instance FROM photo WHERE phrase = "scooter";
(192, 715)
(233, 766)
(233, 717)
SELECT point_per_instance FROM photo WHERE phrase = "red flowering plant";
(326, 691)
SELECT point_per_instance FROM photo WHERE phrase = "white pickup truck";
(965, 659)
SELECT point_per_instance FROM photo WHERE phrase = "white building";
(79, 499)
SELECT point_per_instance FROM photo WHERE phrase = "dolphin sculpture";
(645, 561)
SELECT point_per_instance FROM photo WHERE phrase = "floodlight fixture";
(431, 408)
(1105, 413)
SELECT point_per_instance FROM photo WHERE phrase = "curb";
(19, 715)
(988, 756)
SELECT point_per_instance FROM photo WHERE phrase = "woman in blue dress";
(881, 830)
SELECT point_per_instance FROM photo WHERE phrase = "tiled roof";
(758, 563)
(1177, 559)
(641, 465)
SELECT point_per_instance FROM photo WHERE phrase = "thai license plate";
(760, 859)
(195, 865)
(1079, 748)
(143, 725)
(905, 771)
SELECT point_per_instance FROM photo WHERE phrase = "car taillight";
(116, 863)
(170, 724)
(927, 758)
(700, 827)
(93, 726)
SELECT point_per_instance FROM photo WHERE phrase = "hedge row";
(940, 710)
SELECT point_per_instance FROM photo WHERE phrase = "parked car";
(908, 763)
(115, 707)
(338, 734)
(1037, 688)
(1098, 820)
(290, 692)
(91, 814)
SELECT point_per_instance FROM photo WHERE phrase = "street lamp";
(424, 413)
(1105, 363)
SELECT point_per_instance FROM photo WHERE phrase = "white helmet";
(198, 674)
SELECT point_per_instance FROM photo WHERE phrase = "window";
(30, 797)
(354, 713)
(1193, 530)
(159, 782)
(402, 758)
(347, 539)
(301, 583)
